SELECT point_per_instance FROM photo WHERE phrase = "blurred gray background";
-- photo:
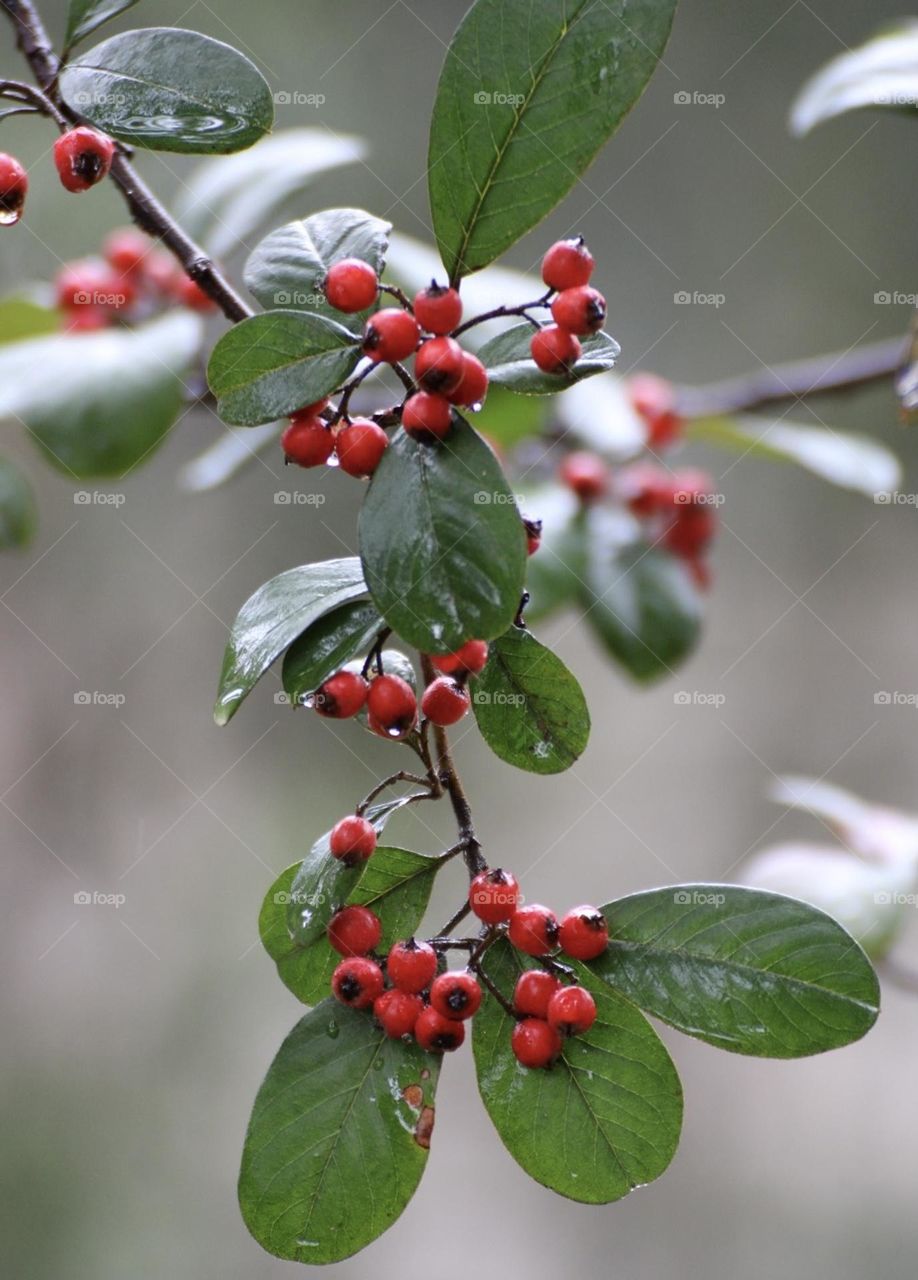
(134, 1038)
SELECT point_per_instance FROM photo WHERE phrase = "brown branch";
(449, 777)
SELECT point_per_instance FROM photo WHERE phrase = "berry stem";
(449, 777)
(395, 292)
(375, 654)
(500, 313)
(16, 90)
(459, 916)
(401, 776)
(495, 991)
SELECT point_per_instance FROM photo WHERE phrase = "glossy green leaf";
(273, 364)
(604, 1119)
(507, 419)
(23, 317)
(98, 404)
(167, 89)
(640, 602)
(745, 970)
(85, 16)
(338, 1138)
(288, 267)
(528, 95)
(509, 363)
(274, 616)
(442, 542)
(530, 709)
(396, 885)
(17, 507)
(881, 73)
(327, 645)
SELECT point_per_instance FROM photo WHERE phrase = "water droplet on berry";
(9, 217)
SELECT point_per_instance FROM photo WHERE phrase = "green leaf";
(98, 404)
(442, 542)
(604, 1119)
(396, 885)
(747, 971)
(168, 89)
(327, 645)
(509, 363)
(507, 419)
(17, 507)
(338, 1138)
(273, 617)
(528, 95)
(288, 267)
(881, 73)
(23, 317)
(530, 709)
(85, 16)
(640, 602)
(272, 364)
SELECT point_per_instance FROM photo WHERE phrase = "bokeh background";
(134, 1038)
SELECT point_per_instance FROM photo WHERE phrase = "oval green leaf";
(271, 365)
(509, 363)
(442, 543)
(604, 1119)
(273, 617)
(85, 16)
(530, 709)
(338, 1138)
(17, 507)
(167, 89)
(527, 96)
(327, 645)
(745, 970)
(288, 267)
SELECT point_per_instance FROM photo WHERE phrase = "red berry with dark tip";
(391, 702)
(427, 416)
(397, 1013)
(341, 695)
(351, 285)
(83, 157)
(127, 249)
(307, 442)
(533, 534)
(584, 474)
(535, 1044)
(357, 982)
(360, 446)
(534, 929)
(14, 186)
(571, 1011)
(438, 309)
(584, 933)
(555, 350)
(581, 310)
(438, 365)
(445, 702)
(412, 966)
(470, 658)
(473, 384)
(654, 399)
(494, 895)
(352, 839)
(567, 264)
(437, 1034)
(456, 995)
(353, 931)
(391, 335)
(532, 992)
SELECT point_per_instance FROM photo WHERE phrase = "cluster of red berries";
(577, 309)
(82, 157)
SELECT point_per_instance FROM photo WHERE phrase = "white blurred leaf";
(881, 73)
(873, 831)
(599, 413)
(226, 458)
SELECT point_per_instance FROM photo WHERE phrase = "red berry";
(126, 250)
(351, 285)
(533, 990)
(647, 489)
(341, 695)
(353, 931)
(78, 284)
(310, 411)
(438, 366)
(473, 385)
(427, 416)
(357, 982)
(581, 310)
(534, 929)
(307, 442)
(445, 701)
(455, 995)
(83, 157)
(534, 1043)
(352, 839)
(471, 658)
(360, 447)
(533, 534)
(397, 1013)
(655, 400)
(555, 350)
(691, 532)
(567, 264)
(14, 184)
(412, 966)
(391, 335)
(392, 704)
(571, 1011)
(585, 474)
(437, 1034)
(438, 309)
(188, 293)
(494, 895)
(584, 933)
